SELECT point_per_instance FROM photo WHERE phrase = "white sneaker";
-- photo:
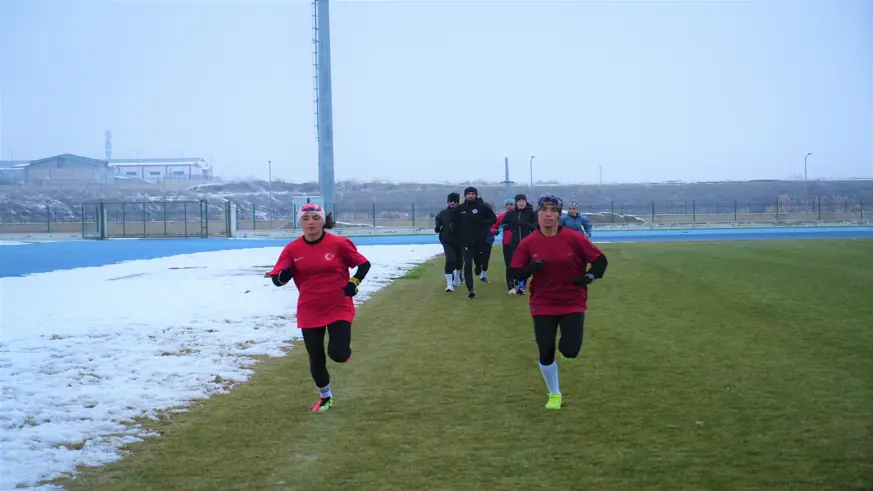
(512, 291)
(450, 288)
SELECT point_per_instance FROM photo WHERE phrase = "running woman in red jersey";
(558, 258)
(319, 264)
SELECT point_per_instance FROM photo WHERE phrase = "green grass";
(727, 366)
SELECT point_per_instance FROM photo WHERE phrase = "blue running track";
(40, 257)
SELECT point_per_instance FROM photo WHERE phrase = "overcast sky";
(440, 90)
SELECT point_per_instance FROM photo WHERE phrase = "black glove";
(505, 226)
(535, 266)
(283, 277)
(583, 279)
(351, 288)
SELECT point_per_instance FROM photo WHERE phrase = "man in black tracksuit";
(521, 221)
(451, 241)
(473, 219)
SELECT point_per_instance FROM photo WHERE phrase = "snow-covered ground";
(11, 243)
(84, 351)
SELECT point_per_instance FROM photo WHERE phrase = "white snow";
(11, 243)
(84, 351)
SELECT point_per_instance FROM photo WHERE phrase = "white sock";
(325, 391)
(550, 375)
(449, 279)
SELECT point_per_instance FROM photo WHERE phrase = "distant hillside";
(32, 201)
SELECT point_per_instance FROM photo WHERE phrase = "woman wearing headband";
(508, 249)
(558, 258)
(319, 264)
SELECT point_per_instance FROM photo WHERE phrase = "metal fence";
(413, 215)
(168, 218)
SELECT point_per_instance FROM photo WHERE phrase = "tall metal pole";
(531, 176)
(270, 180)
(325, 109)
(805, 179)
(506, 169)
(600, 171)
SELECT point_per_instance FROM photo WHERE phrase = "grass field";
(728, 366)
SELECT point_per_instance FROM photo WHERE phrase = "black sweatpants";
(339, 348)
(486, 256)
(472, 254)
(546, 332)
(508, 251)
(453, 257)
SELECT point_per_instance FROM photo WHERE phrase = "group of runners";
(545, 243)
(467, 232)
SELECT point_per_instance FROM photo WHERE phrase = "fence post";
(48, 217)
(101, 221)
(165, 218)
(413, 214)
(777, 210)
(144, 208)
(186, 219)
(83, 217)
(862, 210)
(612, 210)
(819, 208)
(735, 211)
(374, 214)
(653, 212)
(204, 219)
(694, 210)
(123, 224)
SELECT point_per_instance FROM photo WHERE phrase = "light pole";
(270, 180)
(805, 179)
(531, 175)
(11, 155)
(600, 171)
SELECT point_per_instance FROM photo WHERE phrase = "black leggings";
(508, 251)
(339, 348)
(454, 261)
(546, 331)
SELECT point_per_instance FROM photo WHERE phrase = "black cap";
(520, 196)
(471, 189)
(453, 198)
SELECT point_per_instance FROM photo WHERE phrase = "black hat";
(471, 189)
(520, 196)
(453, 198)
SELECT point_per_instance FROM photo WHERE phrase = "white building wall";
(159, 171)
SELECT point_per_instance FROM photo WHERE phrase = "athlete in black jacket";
(521, 221)
(451, 242)
(473, 219)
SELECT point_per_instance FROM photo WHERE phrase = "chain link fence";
(166, 218)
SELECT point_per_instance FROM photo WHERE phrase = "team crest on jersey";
(475, 211)
(329, 256)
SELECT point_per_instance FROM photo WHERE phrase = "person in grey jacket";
(575, 220)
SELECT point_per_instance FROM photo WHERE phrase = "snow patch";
(130, 340)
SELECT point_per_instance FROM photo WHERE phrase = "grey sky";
(444, 90)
